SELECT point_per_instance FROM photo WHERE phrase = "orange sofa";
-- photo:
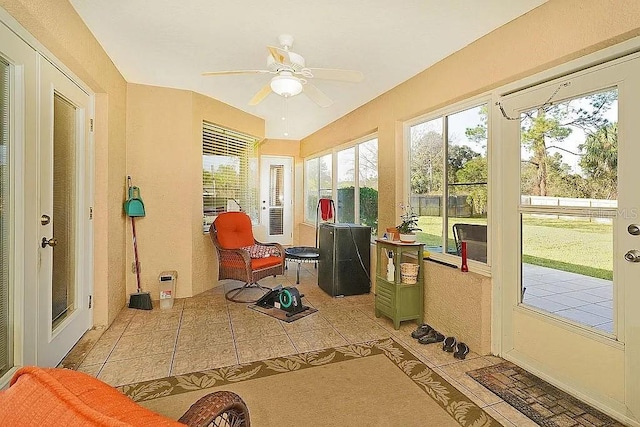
(61, 397)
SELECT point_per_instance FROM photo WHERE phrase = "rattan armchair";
(218, 409)
(241, 256)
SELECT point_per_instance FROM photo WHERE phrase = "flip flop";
(449, 344)
(421, 331)
(431, 337)
(461, 351)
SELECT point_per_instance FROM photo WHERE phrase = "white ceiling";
(169, 43)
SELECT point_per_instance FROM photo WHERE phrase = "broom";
(134, 207)
(140, 300)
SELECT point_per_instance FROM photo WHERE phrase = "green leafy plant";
(409, 220)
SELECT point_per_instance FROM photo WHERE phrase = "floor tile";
(92, 370)
(264, 348)
(583, 317)
(131, 346)
(141, 368)
(202, 358)
(204, 336)
(317, 339)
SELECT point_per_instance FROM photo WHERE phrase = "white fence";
(595, 208)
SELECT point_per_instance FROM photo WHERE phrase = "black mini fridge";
(344, 263)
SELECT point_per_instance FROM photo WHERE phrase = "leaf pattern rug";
(377, 383)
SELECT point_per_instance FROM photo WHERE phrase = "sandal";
(461, 351)
(449, 344)
(431, 337)
(421, 331)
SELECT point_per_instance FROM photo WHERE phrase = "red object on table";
(464, 267)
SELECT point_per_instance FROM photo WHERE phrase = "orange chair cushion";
(259, 263)
(234, 230)
(61, 397)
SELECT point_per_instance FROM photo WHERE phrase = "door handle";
(51, 242)
(45, 219)
(632, 256)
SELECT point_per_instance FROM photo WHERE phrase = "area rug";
(378, 383)
(281, 314)
(545, 404)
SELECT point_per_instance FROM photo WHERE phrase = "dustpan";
(134, 206)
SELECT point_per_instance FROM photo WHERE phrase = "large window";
(356, 183)
(228, 165)
(448, 181)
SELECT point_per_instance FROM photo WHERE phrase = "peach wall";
(159, 156)
(459, 307)
(164, 156)
(548, 35)
(56, 25)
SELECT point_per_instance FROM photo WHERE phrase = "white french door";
(276, 198)
(570, 293)
(64, 267)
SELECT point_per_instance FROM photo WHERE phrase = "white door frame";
(53, 345)
(286, 238)
(627, 348)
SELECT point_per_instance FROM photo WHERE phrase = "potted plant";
(408, 225)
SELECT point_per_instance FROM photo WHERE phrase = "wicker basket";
(409, 273)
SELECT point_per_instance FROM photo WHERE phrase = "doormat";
(545, 404)
(281, 314)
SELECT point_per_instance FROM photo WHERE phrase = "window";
(448, 181)
(228, 164)
(356, 193)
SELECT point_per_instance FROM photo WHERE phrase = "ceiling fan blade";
(342, 75)
(316, 95)
(233, 72)
(261, 95)
(281, 56)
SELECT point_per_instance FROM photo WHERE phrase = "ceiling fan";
(291, 76)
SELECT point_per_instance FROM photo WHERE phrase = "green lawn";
(577, 246)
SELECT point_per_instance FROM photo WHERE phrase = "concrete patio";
(583, 299)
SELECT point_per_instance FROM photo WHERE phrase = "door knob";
(633, 229)
(45, 219)
(51, 242)
(632, 256)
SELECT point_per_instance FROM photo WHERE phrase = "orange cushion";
(234, 230)
(258, 263)
(61, 397)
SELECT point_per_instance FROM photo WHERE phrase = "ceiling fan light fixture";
(286, 85)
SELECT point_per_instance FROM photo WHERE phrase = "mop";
(134, 207)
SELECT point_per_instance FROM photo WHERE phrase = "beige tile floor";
(206, 331)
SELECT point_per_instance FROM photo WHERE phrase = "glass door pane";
(276, 200)
(64, 196)
(569, 180)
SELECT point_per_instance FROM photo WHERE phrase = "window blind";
(6, 344)
(229, 173)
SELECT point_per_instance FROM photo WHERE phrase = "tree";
(459, 155)
(427, 163)
(600, 161)
(550, 124)
(475, 171)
